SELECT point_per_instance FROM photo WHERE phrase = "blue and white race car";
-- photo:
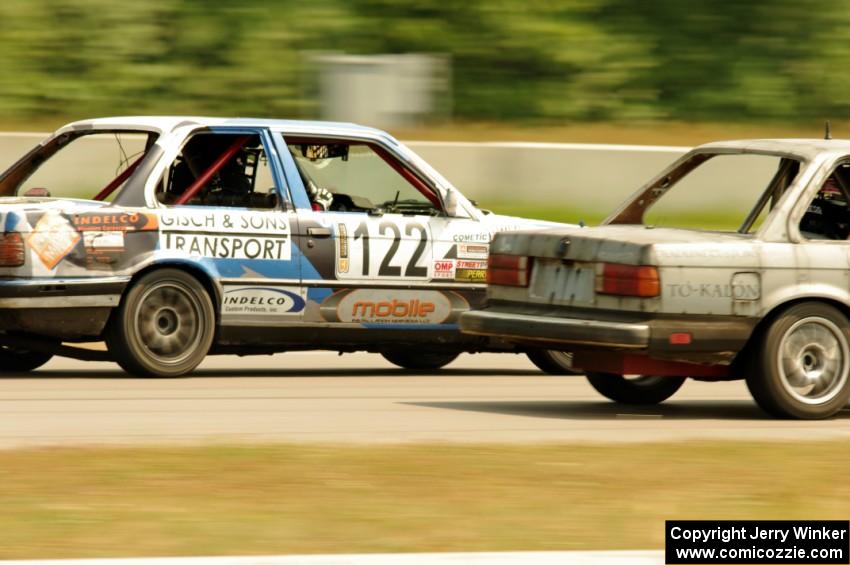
(171, 238)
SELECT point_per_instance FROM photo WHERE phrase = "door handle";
(319, 232)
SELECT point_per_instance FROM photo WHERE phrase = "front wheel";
(801, 368)
(553, 362)
(164, 326)
(425, 361)
(639, 389)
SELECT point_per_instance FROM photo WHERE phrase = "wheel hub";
(813, 360)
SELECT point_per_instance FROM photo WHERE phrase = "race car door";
(224, 208)
(365, 230)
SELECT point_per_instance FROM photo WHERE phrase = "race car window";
(220, 169)
(827, 215)
(353, 176)
(83, 165)
(722, 192)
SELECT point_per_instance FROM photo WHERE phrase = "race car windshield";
(360, 177)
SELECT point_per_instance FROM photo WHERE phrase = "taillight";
(508, 270)
(627, 280)
(11, 250)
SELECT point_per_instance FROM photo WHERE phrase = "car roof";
(803, 148)
(169, 123)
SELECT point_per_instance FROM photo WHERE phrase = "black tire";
(801, 365)
(164, 326)
(416, 361)
(643, 389)
(553, 362)
(21, 360)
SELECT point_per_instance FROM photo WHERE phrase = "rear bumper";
(92, 292)
(555, 330)
(67, 309)
(713, 339)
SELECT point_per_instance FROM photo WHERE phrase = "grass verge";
(267, 499)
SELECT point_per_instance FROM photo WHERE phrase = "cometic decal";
(227, 235)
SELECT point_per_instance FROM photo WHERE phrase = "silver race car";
(761, 292)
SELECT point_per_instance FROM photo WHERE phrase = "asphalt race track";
(323, 397)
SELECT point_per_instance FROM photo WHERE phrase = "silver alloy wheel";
(813, 360)
(168, 322)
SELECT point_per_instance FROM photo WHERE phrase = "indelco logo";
(392, 309)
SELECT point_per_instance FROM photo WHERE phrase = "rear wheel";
(417, 361)
(639, 389)
(553, 362)
(21, 360)
(164, 326)
(801, 368)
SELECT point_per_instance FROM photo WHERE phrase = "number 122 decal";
(395, 254)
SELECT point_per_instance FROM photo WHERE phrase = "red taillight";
(627, 280)
(508, 270)
(11, 250)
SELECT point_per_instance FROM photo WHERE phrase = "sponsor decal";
(473, 250)
(342, 239)
(471, 264)
(114, 221)
(387, 306)
(261, 301)
(444, 269)
(472, 237)
(227, 235)
(471, 271)
(103, 239)
(52, 238)
(710, 290)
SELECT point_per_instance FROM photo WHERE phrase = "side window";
(827, 215)
(354, 176)
(93, 165)
(217, 169)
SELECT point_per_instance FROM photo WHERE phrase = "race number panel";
(389, 247)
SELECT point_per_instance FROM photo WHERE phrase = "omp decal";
(473, 250)
(227, 235)
(392, 307)
(342, 242)
(471, 271)
(261, 301)
(115, 221)
(443, 269)
(53, 237)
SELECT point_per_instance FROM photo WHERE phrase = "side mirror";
(450, 202)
